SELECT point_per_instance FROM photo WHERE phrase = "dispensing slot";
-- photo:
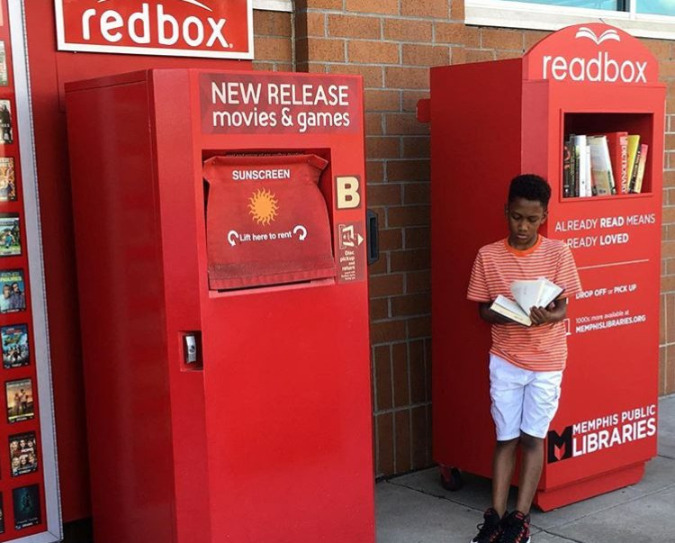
(267, 221)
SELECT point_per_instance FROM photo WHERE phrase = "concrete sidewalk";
(415, 508)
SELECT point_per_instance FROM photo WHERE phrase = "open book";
(528, 294)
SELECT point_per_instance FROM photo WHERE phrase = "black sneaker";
(516, 528)
(491, 529)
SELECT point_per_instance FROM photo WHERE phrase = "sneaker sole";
(475, 541)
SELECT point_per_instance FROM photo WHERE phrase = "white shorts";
(522, 400)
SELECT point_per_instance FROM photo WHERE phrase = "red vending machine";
(490, 122)
(220, 225)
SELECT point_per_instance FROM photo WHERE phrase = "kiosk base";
(580, 490)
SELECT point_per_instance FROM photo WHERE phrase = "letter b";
(347, 188)
(611, 63)
(162, 20)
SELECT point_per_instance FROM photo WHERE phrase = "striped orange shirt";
(497, 265)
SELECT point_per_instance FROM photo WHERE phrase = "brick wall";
(273, 44)
(392, 44)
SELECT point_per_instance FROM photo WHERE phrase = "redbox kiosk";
(490, 122)
(220, 225)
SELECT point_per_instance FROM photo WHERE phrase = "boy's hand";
(541, 315)
(554, 312)
(491, 316)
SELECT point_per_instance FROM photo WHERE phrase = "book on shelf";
(633, 148)
(587, 175)
(635, 186)
(583, 178)
(617, 144)
(634, 169)
(576, 165)
(568, 169)
(601, 166)
(527, 294)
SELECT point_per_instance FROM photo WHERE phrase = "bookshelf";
(636, 125)
(491, 121)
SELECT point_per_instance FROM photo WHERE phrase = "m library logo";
(601, 433)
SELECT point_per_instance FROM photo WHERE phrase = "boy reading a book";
(526, 362)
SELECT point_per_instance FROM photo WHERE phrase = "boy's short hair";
(530, 187)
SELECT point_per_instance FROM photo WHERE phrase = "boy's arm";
(555, 312)
(490, 316)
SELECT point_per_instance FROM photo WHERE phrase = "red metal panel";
(475, 144)
(285, 406)
(173, 173)
(121, 304)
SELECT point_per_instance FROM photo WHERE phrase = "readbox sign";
(591, 53)
(187, 28)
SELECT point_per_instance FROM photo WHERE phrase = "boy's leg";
(540, 404)
(503, 464)
(531, 464)
(507, 386)
(506, 393)
(516, 526)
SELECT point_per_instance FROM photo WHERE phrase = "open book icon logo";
(585, 32)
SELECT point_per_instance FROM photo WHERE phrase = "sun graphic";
(263, 206)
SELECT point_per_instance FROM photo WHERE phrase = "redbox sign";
(185, 28)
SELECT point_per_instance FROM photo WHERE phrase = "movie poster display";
(15, 349)
(28, 489)
(20, 403)
(23, 453)
(26, 502)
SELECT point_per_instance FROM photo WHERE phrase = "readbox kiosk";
(492, 121)
(222, 276)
